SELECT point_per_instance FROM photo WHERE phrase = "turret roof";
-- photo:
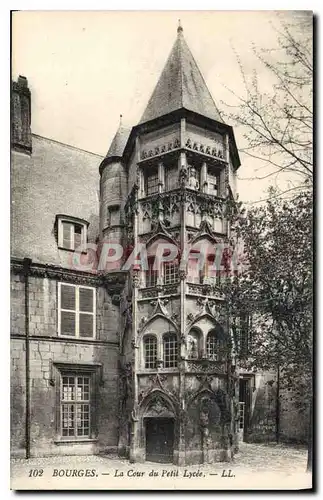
(181, 85)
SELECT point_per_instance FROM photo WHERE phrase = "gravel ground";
(255, 466)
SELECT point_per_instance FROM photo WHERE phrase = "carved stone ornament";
(182, 273)
(157, 406)
(136, 278)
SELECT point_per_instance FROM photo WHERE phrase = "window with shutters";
(71, 232)
(76, 311)
(75, 405)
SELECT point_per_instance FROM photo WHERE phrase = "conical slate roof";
(181, 85)
(119, 142)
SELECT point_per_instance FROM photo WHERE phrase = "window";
(193, 341)
(150, 351)
(170, 272)
(215, 345)
(75, 405)
(213, 183)
(170, 350)
(72, 232)
(152, 182)
(151, 273)
(171, 178)
(212, 346)
(76, 311)
(113, 215)
(208, 273)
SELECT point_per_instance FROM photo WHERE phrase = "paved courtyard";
(255, 466)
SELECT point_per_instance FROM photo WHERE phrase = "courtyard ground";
(256, 466)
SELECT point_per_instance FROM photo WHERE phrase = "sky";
(85, 68)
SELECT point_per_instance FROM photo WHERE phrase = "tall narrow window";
(113, 215)
(170, 350)
(76, 310)
(208, 273)
(170, 272)
(152, 182)
(171, 178)
(150, 351)
(213, 183)
(75, 405)
(244, 334)
(151, 273)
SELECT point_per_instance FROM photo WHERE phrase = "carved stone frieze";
(160, 149)
(214, 149)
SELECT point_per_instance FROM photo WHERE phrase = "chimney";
(21, 116)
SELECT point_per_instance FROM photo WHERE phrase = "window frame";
(111, 209)
(73, 221)
(147, 337)
(76, 403)
(215, 355)
(92, 370)
(76, 311)
(173, 267)
(151, 272)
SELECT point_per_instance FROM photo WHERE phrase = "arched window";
(170, 350)
(150, 351)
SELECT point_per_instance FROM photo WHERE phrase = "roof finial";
(120, 122)
(179, 29)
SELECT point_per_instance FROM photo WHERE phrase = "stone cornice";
(114, 280)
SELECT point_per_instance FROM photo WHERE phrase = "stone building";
(130, 359)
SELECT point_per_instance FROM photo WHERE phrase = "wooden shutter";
(68, 315)
(86, 314)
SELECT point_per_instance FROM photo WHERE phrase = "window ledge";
(75, 441)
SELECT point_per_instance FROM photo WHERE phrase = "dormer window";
(71, 232)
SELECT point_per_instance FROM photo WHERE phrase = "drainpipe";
(278, 406)
(26, 270)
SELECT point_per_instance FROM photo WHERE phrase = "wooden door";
(160, 440)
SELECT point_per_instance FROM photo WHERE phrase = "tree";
(277, 118)
(275, 287)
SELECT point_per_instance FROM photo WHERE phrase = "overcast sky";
(85, 68)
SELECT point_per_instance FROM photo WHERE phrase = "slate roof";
(119, 142)
(181, 85)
